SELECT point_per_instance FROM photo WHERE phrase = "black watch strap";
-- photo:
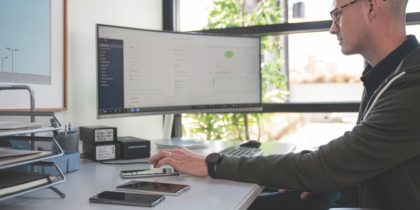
(212, 161)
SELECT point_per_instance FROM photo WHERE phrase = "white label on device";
(106, 152)
(104, 135)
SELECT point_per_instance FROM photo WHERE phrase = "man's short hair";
(397, 7)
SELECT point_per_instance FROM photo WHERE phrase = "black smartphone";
(129, 174)
(126, 198)
(153, 187)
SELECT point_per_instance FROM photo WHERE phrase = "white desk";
(93, 178)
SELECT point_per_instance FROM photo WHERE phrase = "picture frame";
(33, 52)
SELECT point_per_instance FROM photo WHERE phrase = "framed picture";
(33, 52)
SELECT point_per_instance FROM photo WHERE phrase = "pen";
(69, 128)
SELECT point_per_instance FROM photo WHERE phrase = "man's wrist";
(212, 161)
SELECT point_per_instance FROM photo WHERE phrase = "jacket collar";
(374, 76)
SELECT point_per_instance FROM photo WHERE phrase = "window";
(305, 64)
(319, 72)
(301, 10)
(192, 8)
(239, 13)
(414, 30)
(306, 130)
(413, 6)
(313, 72)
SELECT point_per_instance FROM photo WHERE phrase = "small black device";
(127, 198)
(159, 188)
(132, 147)
(155, 172)
(251, 144)
(212, 161)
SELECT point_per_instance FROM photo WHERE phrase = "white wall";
(82, 18)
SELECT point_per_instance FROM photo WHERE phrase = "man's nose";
(334, 29)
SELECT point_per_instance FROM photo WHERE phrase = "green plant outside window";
(241, 126)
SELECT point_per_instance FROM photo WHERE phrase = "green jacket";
(380, 156)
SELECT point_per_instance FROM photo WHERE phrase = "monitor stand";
(168, 121)
(168, 141)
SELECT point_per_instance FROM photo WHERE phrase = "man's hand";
(182, 160)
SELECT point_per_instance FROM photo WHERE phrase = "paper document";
(6, 152)
(11, 125)
(16, 159)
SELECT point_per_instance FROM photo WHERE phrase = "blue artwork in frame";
(25, 41)
(32, 52)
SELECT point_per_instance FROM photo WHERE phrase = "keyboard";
(241, 151)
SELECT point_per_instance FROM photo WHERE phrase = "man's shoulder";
(413, 54)
(411, 63)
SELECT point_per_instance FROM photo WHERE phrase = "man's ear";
(373, 8)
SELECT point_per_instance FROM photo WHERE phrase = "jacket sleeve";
(389, 136)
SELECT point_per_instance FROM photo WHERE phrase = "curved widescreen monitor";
(157, 72)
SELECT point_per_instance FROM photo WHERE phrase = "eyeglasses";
(337, 12)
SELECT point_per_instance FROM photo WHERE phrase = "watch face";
(213, 158)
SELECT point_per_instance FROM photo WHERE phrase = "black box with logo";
(132, 147)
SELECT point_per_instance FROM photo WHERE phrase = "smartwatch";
(212, 161)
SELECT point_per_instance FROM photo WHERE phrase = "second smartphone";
(129, 174)
(153, 187)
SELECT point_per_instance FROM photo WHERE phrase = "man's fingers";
(167, 161)
(282, 190)
(162, 162)
(304, 195)
(162, 154)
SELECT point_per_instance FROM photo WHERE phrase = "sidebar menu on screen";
(110, 75)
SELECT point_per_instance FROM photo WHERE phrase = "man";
(377, 163)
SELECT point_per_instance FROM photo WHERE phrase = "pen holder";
(68, 142)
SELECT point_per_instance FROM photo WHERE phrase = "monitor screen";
(159, 72)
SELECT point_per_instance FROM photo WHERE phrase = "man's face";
(348, 25)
